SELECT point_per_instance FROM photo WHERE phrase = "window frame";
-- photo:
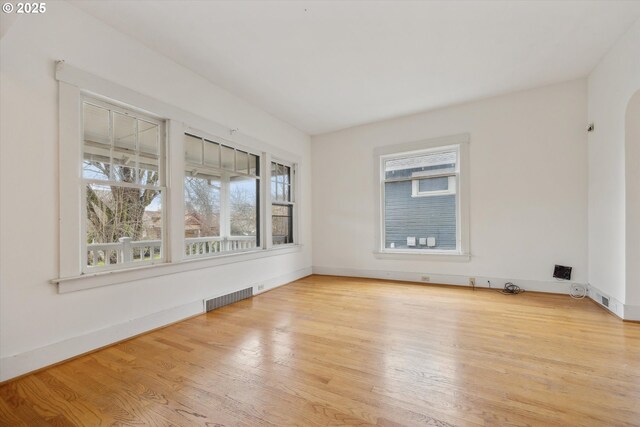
(292, 202)
(162, 187)
(410, 149)
(73, 83)
(205, 136)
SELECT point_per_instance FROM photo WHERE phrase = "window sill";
(400, 254)
(115, 277)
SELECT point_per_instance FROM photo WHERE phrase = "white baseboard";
(623, 311)
(552, 286)
(282, 280)
(20, 364)
(615, 306)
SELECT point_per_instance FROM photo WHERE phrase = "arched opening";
(632, 190)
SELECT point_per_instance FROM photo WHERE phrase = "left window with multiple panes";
(123, 187)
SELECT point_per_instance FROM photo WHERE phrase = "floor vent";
(223, 300)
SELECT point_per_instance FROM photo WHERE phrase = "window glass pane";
(192, 149)
(124, 131)
(148, 173)
(280, 174)
(411, 221)
(433, 184)
(253, 164)
(287, 174)
(97, 162)
(228, 158)
(148, 137)
(211, 154)
(202, 207)
(421, 165)
(123, 166)
(96, 124)
(282, 224)
(124, 225)
(242, 162)
(243, 202)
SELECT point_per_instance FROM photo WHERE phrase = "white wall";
(528, 188)
(611, 85)
(38, 326)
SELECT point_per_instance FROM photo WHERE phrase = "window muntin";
(282, 201)
(222, 193)
(122, 186)
(420, 200)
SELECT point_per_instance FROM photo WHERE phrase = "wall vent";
(221, 301)
(605, 301)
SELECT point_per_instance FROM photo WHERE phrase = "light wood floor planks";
(328, 351)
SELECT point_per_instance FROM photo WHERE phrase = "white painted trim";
(615, 306)
(105, 278)
(20, 364)
(551, 286)
(115, 93)
(69, 176)
(73, 84)
(418, 254)
(174, 210)
(463, 192)
(285, 279)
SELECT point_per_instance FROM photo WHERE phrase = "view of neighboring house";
(420, 202)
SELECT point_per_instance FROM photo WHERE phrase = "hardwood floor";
(328, 351)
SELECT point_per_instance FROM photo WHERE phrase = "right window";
(421, 206)
(282, 203)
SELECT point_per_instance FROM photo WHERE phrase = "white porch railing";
(199, 246)
(125, 251)
(128, 251)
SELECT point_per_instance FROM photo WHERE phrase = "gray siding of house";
(407, 216)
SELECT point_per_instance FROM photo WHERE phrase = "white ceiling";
(327, 65)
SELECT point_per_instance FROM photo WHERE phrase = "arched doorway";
(632, 190)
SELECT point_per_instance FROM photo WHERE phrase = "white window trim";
(294, 202)
(225, 208)
(162, 166)
(73, 83)
(462, 253)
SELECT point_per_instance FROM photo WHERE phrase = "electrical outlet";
(260, 287)
(425, 278)
(472, 281)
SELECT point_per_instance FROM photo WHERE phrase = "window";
(421, 203)
(221, 198)
(282, 203)
(140, 188)
(433, 186)
(123, 187)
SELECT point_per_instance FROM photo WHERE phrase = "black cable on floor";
(511, 289)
